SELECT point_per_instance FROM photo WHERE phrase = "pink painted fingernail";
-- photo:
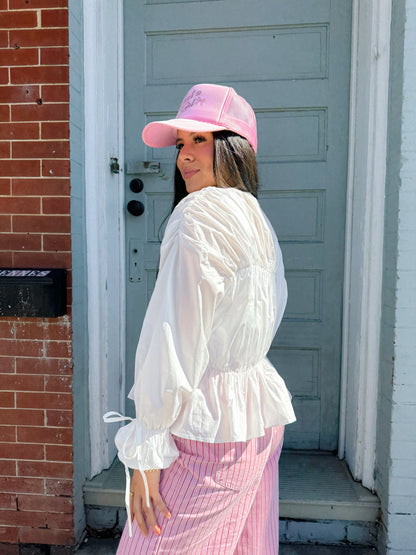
(157, 530)
(168, 515)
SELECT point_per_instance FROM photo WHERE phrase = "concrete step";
(319, 501)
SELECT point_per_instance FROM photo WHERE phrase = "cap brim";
(164, 133)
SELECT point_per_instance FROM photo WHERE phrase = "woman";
(210, 408)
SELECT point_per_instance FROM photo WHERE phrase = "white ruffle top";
(201, 370)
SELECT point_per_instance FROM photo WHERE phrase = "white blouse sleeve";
(172, 352)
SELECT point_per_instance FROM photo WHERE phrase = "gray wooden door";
(290, 60)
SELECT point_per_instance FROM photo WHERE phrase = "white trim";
(122, 225)
(103, 67)
(370, 62)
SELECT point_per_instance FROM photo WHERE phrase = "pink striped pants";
(223, 497)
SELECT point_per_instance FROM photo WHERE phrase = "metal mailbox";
(38, 293)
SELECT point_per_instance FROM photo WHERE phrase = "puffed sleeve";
(172, 352)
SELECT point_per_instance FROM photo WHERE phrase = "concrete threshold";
(313, 486)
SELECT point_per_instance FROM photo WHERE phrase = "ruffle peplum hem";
(237, 404)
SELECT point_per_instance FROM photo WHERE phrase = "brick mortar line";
(34, 47)
(14, 122)
(36, 177)
(33, 444)
(40, 84)
(21, 322)
(37, 28)
(40, 233)
(43, 84)
(43, 477)
(36, 374)
(44, 460)
(28, 426)
(54, 340)
(31, 197)
(37, 159)
(29, 9)
(33, 251)
(32, 102)
(39, 64)
(38, 391)
(37, 214)
(40, 28)
(36, 141)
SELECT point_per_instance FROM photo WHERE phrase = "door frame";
(364, 235)
(104, 220)
(370, 53)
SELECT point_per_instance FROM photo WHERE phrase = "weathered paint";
(396, 446)
(79, 266)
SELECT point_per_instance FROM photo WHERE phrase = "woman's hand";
(144, 515)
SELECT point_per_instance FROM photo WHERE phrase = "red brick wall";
(35, 353)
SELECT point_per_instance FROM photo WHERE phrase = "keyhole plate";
(135, 260)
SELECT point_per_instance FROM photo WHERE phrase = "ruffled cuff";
(144, 449)
(141, 449)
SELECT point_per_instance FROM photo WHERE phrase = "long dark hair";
(235, 166)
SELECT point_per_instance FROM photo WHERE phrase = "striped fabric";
(223, 497)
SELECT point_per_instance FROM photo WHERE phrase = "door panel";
(290, 60)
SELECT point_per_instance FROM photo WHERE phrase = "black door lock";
(135, 207)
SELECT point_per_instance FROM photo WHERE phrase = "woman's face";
(196, 159)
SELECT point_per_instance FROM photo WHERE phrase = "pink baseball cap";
(206, 108)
